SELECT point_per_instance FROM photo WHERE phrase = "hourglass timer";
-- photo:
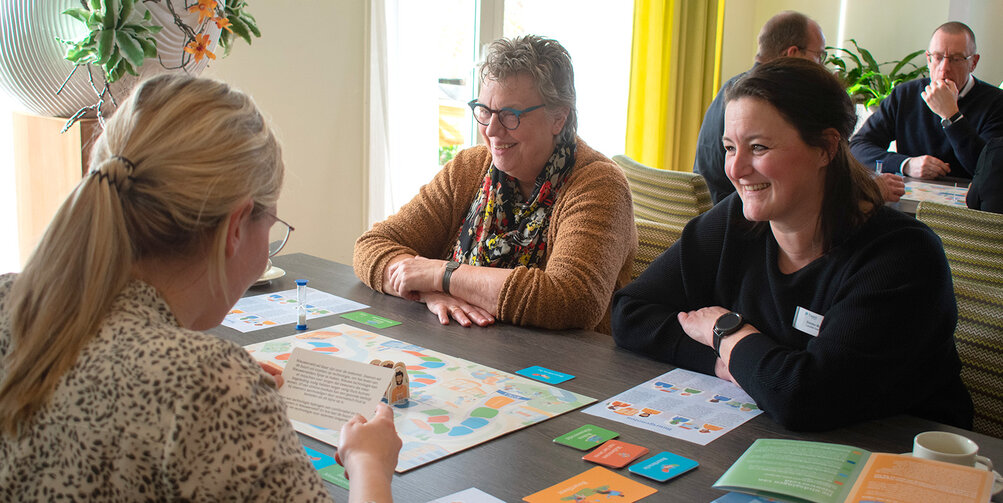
(301, 304)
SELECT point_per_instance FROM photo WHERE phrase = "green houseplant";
(866, 81)
(121, 35)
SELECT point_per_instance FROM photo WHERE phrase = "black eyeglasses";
(508, 117)
(278, 235)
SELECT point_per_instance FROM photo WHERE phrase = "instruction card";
(327, 391)
(280, 308)
(681, 404)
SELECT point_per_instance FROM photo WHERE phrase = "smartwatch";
(954, 118)
(726, 325)
(451, 266)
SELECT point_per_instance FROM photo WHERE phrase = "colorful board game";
(943, 194)
(455, 404)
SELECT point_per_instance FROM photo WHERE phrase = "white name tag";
(807, 321)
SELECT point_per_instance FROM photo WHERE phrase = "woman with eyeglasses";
(533, 227)
(108, 389)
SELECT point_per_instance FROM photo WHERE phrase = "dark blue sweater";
(885, 345)
(905, 118)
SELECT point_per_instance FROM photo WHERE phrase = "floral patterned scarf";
(502, 231)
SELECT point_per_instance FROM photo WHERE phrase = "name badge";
(807, 321)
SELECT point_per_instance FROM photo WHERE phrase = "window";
(423, 72)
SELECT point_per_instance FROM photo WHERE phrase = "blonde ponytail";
(176, 159)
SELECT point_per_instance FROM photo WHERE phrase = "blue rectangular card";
(544, 374)
(663, 466)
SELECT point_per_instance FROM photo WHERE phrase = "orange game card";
(595, 485)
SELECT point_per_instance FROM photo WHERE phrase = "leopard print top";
(154, 412)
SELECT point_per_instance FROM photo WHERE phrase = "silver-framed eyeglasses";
(278, 235)
(508, 117)
(954, 59)
(822, 55)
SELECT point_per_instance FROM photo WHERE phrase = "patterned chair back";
(671, 197)
(973, 243)
(664, 201)
(973, 240)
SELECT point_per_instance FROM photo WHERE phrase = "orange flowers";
(223, 23)
(205, 8)
(200, 47)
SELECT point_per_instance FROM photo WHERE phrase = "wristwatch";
(954, 118)
(451, 266)
(726, 325)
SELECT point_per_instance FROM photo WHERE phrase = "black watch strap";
(954, 118)
(451, 266)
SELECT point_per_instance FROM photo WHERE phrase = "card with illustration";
(681, 404)
(327, 467)
(595, 485)
(663, 466)
(615, 454)
(586, 437)
(544, 374)
(280, 308)
(370, 319)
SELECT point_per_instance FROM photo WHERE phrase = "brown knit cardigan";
(591, 240)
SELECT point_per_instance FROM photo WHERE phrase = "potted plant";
(72, 58)
(866, 81)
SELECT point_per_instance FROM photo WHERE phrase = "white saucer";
(272, 273)
(997, 478)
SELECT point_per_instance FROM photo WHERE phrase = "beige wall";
(307, 73)
(867, 21)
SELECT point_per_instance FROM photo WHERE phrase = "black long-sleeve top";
(885, 345)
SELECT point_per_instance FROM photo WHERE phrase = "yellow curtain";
(675, 71)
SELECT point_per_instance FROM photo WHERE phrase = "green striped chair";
(973, 243)
(664, 201)
(671, 197)
(973, 240)
(652, 239)
(979, 338)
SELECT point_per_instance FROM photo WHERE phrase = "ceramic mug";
(949, 447)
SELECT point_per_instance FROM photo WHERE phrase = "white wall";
(307, 73)
(867, 21)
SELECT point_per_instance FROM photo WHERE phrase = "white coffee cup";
(949, 447)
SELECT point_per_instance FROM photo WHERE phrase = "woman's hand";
(699, 324)
(369, 450)
(273, 370)
(411, 276)
(446, 307)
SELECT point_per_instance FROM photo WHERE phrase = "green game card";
(586, 437)
(370, 319)
(334, 474)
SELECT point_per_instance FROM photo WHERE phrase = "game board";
(455, 404)
(943, 194)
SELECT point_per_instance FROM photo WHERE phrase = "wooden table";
(527, 461)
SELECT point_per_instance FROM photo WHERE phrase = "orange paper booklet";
(819, 472)
(595, 485)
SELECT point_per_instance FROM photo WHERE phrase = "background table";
(526, 461)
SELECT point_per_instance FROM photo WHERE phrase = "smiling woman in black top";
(802, 288)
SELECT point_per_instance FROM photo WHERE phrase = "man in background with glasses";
(939, 124)
(789, 34)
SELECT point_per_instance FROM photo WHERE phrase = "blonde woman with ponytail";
(107, 389)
